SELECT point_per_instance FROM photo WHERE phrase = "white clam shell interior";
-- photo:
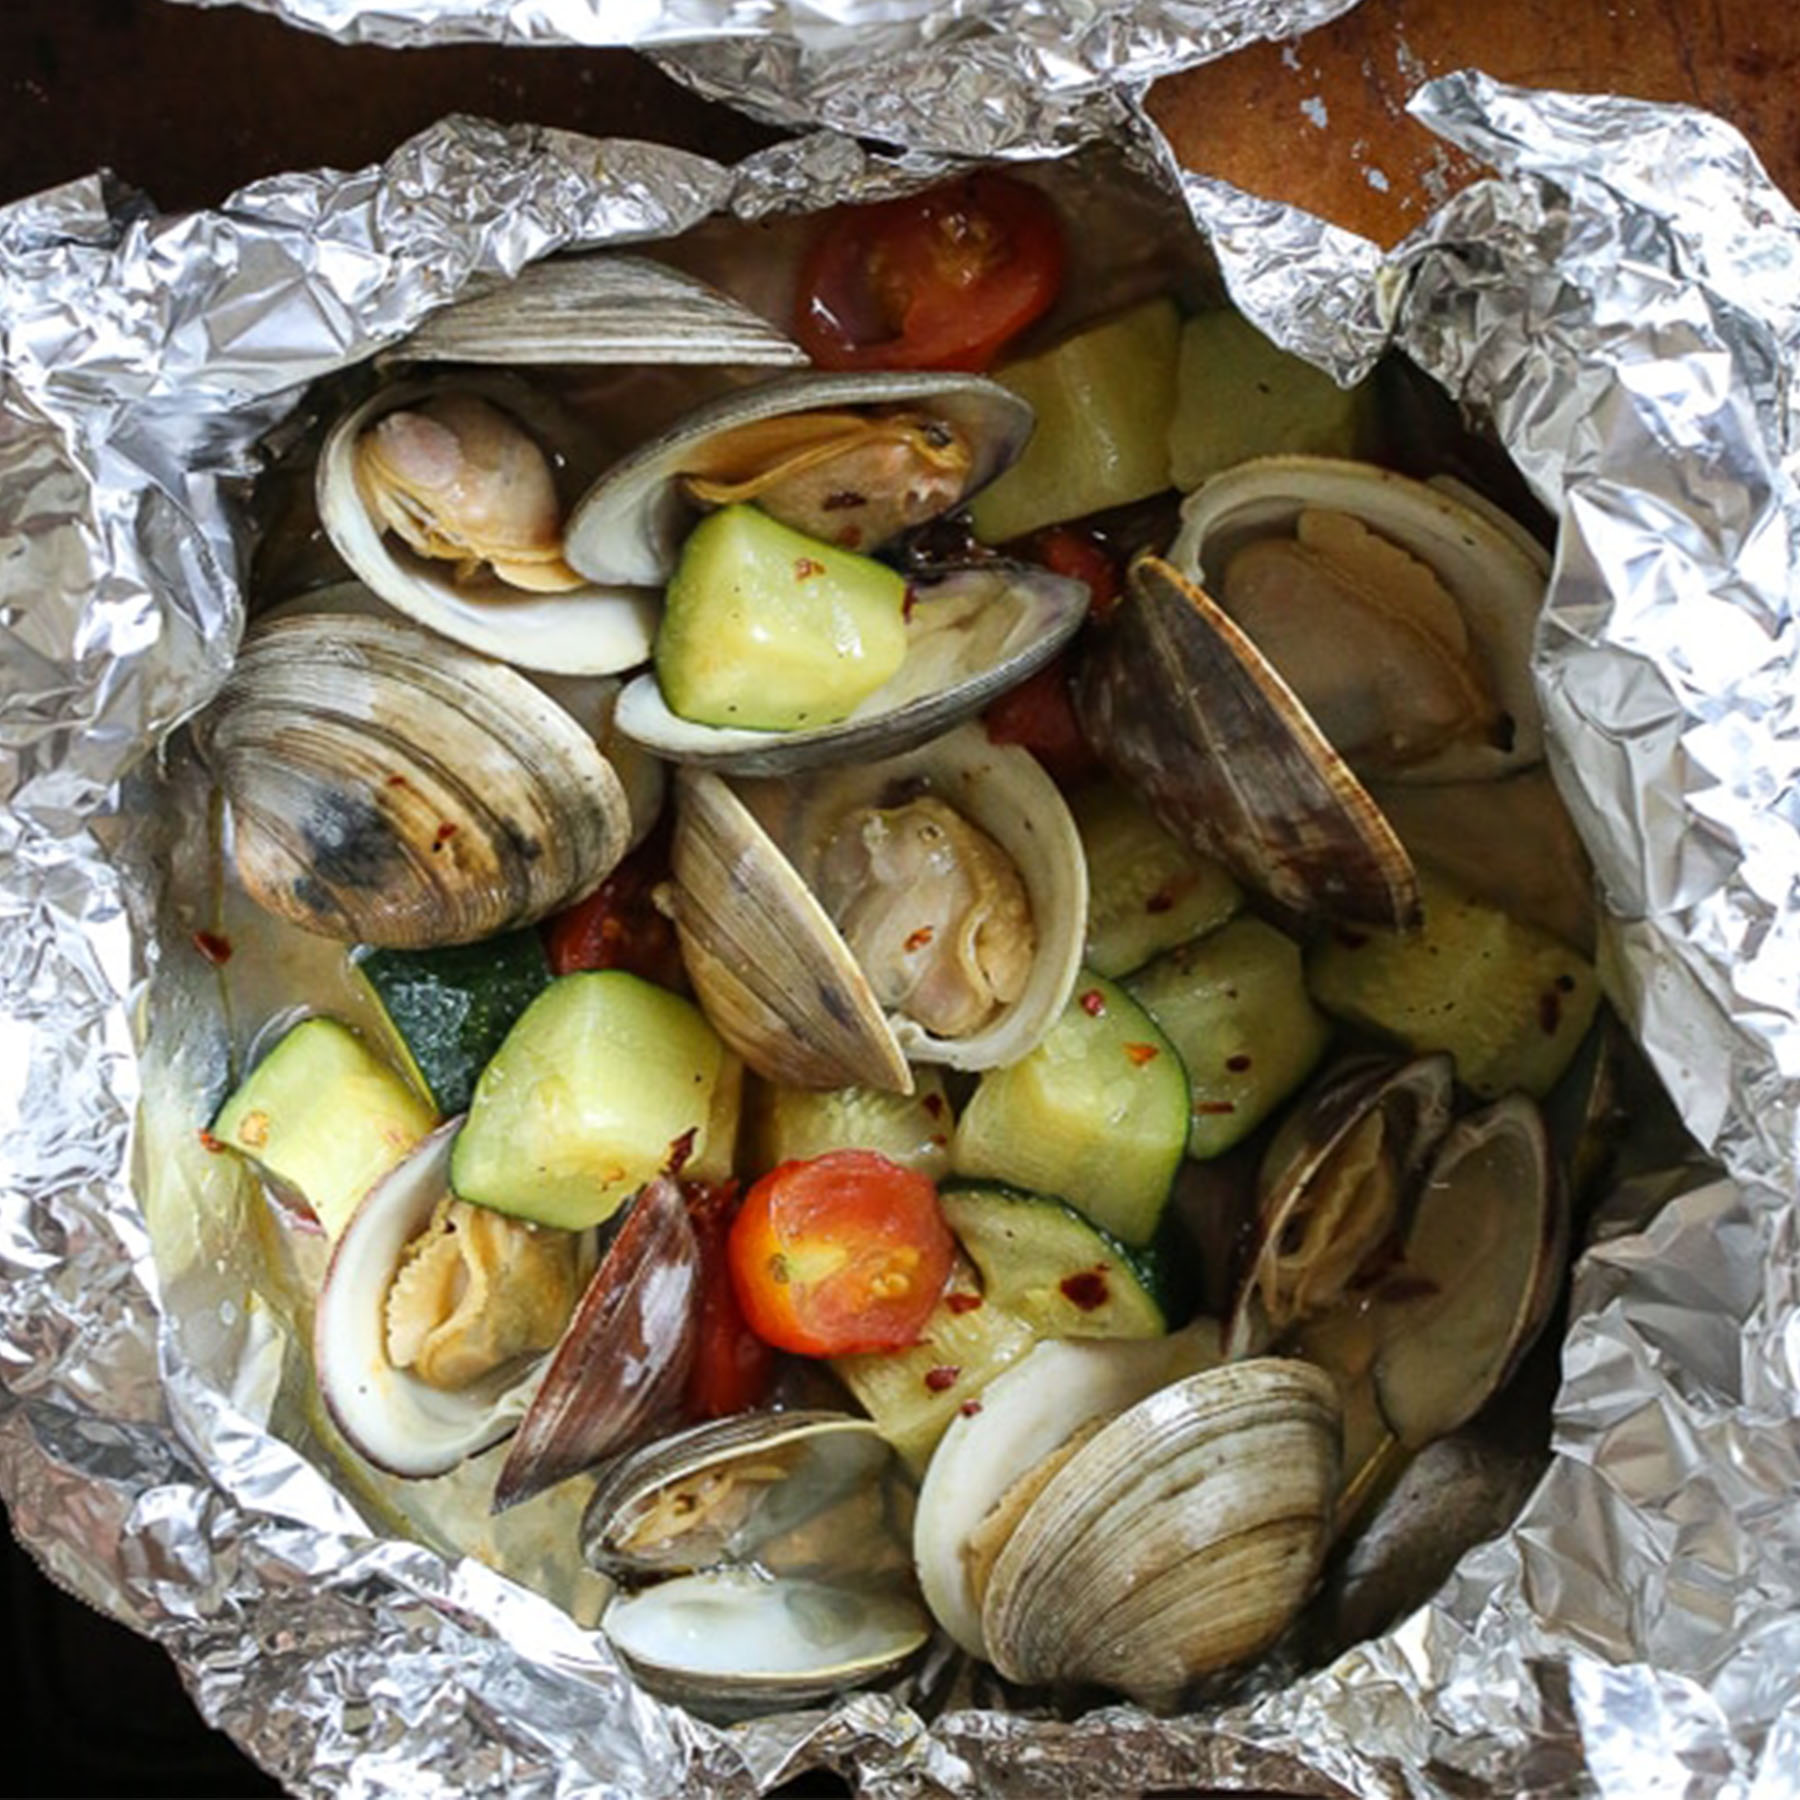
(398, 1422)
(593, 630)
(1493, 569)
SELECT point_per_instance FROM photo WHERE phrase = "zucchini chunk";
(322, 1116)
(1061, 1274)
(1097, 1114)
(1509, 1002)
(1236, 1008)
(605, 1081)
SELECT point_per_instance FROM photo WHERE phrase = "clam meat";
(1400, 615)
(854, 459)
(821, 916)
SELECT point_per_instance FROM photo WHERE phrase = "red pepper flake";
(807, 568)
(962, 1303)
(216, 949)
(844, 497)
(934, 1104)
(942, 1377)
(969, 1408)
(917, 940)
(907, 605)
(445, 832)
(681, 1149)
(210, 1143)
(1161, 901)
(1093, 1003)
(1549, 1011)
(398, 781)
(1220, 1107)
(1086, 1290)
(1237, 1064)
(1142, 1053)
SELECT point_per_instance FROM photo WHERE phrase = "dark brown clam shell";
(624, 1359)
(1178, 701)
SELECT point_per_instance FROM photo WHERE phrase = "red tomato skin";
(840, 1253)
(1083, 556)
(943, 279)
(617, 926)
(1039, 715)
(733, 1369)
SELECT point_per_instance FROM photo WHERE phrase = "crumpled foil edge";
(1535, 1671)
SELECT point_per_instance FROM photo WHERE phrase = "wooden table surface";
(188, 104)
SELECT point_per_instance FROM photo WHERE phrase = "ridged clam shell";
(629, 525)
(388, 788)
(771, 970)
(593, 630)
(1491, 568)
(621, 1365)
(971, 635)
(1177, 700)
(1181, 1539)
(599, 308)
(668, 1508)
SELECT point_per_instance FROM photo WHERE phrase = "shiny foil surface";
(1621, 301)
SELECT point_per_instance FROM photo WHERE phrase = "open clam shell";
(388, 788)
(598, 308)
(775, 974)
(971, 635)
(400, 1422)
(728, 1490)
(629, 525)
(731, 1642)
(618, 1372)
(1182, 1538)
(1364, 675)
(585, 629)
(1027, 1413)
(1176, 699)
(1333, 1188)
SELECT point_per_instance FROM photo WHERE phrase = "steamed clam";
(447, 494)
(1178, 1537)
(853, 459)
(389, 788)
(1400, 614)
(820, 916)
(774, 1558)
(443, 1328)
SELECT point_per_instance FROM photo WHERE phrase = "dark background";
(189, 104)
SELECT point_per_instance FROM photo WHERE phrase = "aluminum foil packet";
(1619, 302)
(960, 77)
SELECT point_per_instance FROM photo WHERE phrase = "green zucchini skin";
(322, 1116)
(1235, 1005)
(451, 1008)
(1059, 1272)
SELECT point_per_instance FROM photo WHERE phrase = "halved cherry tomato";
(617, 926)
(845, 1251)
(732, 1368)
(938, 280)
